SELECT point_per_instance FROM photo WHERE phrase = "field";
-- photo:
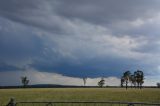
(81, 94)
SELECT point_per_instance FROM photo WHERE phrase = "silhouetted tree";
(84, 81)
(101, 82)
(139, 78)
(24, 81)
(136, 79)
(122, 81)
(132, 80)
(126, 76)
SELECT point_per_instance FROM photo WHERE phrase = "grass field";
(80, 94)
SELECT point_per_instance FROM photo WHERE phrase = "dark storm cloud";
(32, 13)
(80, 37)
(107, 11)
(91, 68)
(6, 67)
(18, 45)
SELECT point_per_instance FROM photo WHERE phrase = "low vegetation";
(80, 94)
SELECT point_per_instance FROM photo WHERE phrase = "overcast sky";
(62, 41)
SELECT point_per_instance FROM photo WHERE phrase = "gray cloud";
(81, 38)
(108, 11)
(51, 15)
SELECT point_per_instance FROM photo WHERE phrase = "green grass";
(81, 94)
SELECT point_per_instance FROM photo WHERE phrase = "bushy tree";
(101, 82)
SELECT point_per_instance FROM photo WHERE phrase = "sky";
(63, 41)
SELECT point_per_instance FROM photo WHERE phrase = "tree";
(84, 81)
(136, 79)
(122, 81)
(139, 76)
(158, 85)
(101, 82)
(132, 80)
(25, 81)
(126, 76)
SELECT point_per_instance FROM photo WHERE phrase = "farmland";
(81, 94)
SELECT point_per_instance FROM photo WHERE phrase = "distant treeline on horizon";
(64, 86)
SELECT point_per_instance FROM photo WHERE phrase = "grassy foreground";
(81, 94)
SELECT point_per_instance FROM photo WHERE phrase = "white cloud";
(151, 80)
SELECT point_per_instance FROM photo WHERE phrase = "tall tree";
(139, 78)
(101, 82)
(84, 81)
(132, 80)
(122, 81)
(126, 76)
(24, 81)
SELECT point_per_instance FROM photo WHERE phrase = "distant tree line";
(136, 79)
